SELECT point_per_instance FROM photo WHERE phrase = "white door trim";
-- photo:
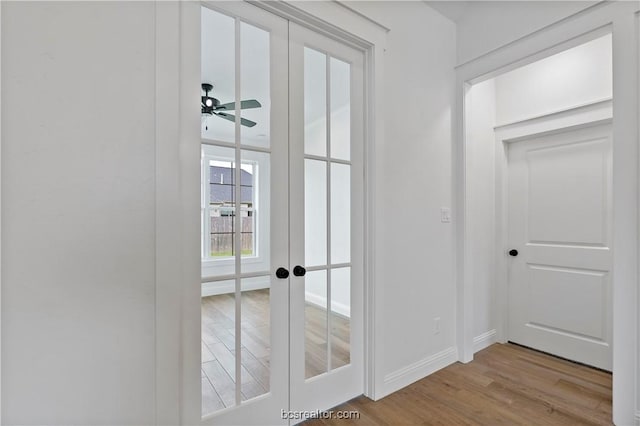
(0, 219)
(177, 203)
(621, 18)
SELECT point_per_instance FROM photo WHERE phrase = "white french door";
(281, 219)
(326, 169)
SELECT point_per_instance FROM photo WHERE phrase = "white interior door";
(326, 170)
(282, 231)
(560, 225)
(245, 207)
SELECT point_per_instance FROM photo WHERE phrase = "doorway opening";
(538, 208)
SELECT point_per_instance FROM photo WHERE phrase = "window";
(219, 206)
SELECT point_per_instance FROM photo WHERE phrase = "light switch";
(445, 215)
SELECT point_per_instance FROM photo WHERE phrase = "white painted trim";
(603, 105)
(338, 308)
(216, 288)
(595, 113)
(0, 218)
(167, 213)
(485, 340)
(363, 16)
(525, 38)
(329, 18)
(620, 18)
(189, 140)
(418, 370)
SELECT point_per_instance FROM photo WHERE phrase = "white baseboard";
(418, 370)
(216, 288)
(338, 308)
(484, 340)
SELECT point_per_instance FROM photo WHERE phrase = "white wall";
(78, 213)
(568, 79)
(480, 159)
(414, 263)
(78, 283)
(487, 25)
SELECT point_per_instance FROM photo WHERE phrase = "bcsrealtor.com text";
(319, 414)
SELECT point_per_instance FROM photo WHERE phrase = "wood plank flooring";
(504, 385)
(218, 346)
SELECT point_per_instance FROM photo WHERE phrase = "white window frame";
(261, 259)
(206, 206)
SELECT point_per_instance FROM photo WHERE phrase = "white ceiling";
(451, 9)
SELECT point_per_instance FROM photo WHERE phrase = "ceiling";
(451, 9)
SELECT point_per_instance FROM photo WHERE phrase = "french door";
(281, 210)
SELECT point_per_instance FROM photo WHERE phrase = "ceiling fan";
(212, 106)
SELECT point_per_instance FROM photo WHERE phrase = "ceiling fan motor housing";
(208, 109)
(209, 103)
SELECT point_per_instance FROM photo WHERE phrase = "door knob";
(513, 252)
(282, 273)
(299, 271)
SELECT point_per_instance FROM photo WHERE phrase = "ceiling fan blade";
(247, 123)
(225, 116)
(231, 117)
(248, 104)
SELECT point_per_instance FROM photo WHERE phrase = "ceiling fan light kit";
(212, 106)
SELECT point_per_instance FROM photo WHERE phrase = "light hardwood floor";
(503, 385)
(218, 346)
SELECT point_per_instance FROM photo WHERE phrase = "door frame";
(178, 270)
(621, 19)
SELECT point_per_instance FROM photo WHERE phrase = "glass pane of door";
(315, 102)
(340, 109)
(255, 90)
(218, 70)
(327, 211)
(315, 317)
(255, 337)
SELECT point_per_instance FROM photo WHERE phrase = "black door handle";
(299, 271)
(513, 252)
(282, 273)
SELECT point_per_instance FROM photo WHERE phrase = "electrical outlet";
(436, 325)
(445, 215)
